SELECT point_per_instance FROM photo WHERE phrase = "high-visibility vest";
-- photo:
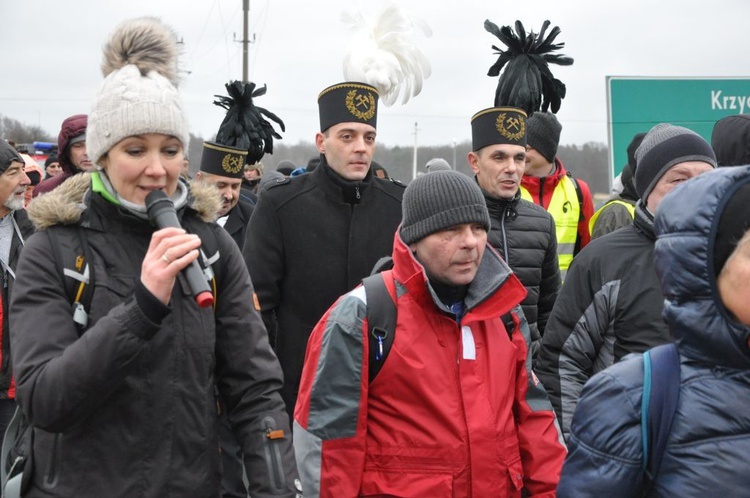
(630, 207)
(565, 208)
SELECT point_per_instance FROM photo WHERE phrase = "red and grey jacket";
(454, 411)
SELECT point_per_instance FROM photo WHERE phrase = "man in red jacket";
(547, 183)
(455, 410)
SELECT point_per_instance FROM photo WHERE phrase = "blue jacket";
(708, 446)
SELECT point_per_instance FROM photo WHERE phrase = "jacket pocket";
(52, 463)
(515, 477)
(272, 454)
(108, 292)
(407, 483)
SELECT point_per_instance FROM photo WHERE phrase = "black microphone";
(162, 214)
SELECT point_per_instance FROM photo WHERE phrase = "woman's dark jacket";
(127, 408)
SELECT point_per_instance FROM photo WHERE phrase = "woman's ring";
(165, 258)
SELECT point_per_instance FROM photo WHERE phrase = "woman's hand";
(170, 250)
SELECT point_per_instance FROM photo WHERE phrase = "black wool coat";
(309, 241)
(236, 225)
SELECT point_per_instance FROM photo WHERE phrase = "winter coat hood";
(71, 127)
(686, 226)
(730, 140)
(628, 183)
(65, 205)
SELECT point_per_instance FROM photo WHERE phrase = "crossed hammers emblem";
(514, 123)
(362, 101)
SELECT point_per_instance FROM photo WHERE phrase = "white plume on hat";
(139, 93)
(383, 53)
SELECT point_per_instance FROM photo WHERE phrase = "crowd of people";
(494, 349)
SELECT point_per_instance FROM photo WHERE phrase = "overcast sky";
(52, 51)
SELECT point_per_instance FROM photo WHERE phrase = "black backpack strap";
(579, 194)
(381, 321)
(383, 264)
(73, 255)
(661, 394)
(209, 254)
(510, 324)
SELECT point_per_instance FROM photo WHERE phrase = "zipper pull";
(356, 191)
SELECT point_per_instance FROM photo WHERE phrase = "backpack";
(382, 315)
(73, 254)
(661, 394)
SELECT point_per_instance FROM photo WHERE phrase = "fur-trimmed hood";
(66, 204)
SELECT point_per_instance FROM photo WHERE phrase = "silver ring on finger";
(166, 258)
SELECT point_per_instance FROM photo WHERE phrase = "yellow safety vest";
(566, 211)
(630, 207)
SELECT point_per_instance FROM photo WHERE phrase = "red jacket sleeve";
(330, 418)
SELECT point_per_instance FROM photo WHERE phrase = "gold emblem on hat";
(512, 127)
(232, 163)
(361, 105)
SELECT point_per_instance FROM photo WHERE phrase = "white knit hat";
(139, 93)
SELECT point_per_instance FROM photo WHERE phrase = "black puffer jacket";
(524, 235)
(609, 306)
(128, 408)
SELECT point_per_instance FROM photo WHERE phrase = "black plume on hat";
(245, 126)
(527, 81)
(441, 200)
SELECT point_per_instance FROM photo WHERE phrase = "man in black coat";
(522, 232)
(312, 238)
(15, 227)
(235, 212)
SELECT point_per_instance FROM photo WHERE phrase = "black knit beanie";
(441, 200)
(733, 224)
(52, 158)
(8, 155)
(543, 133)
(664, 146)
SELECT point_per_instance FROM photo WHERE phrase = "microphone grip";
(162, 214)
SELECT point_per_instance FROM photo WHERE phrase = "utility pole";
(245, 41)
(414, 165)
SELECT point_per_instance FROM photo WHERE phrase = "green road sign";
(635, 104)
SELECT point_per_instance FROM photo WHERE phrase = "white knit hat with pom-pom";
(139, 93)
